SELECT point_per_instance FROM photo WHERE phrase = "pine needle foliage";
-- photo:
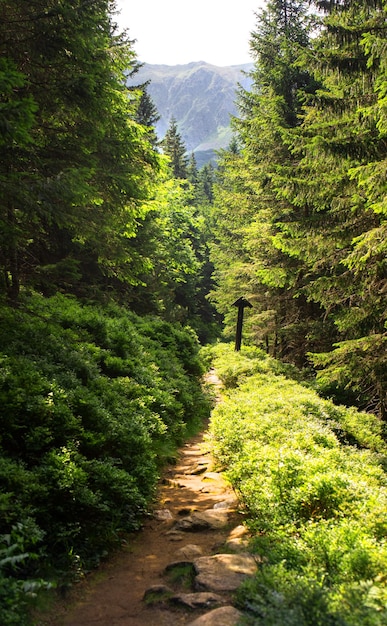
(308, 185)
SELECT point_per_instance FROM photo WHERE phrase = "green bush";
(91, 400)
(311, 476)
(17, 588)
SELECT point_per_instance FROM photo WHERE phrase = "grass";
(181, 575)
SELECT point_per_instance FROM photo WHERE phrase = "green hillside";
(93, 401)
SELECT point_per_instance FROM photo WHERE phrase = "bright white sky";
(174, 32)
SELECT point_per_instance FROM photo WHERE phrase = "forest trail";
(114, 595)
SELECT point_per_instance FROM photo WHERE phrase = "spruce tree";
(147, 114)
(71, 194)
(248, 191)
(173, 146)
(340, 188)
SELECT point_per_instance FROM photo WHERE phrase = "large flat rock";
(200, 600)
(223, 572)
(224, 616)
(204, 520)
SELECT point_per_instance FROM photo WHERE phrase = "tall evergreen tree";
(192, 170)
(269, 110)
(71, 194)
(206, 182)
(147, 114)
(340, 188)
(173, 146)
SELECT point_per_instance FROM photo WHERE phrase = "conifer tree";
(269, 110)
(206, 181)
(340, 188)
(301, 205)
(147, 114)
(71, 191)
(173, 146)
(192, 170)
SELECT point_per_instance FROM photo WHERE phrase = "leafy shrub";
(91, 399)
(236, 367)
(17, 589)
(312, 479)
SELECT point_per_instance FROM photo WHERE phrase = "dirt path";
(115, 594)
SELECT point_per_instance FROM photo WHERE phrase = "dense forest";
(300, 210)
(119, 258)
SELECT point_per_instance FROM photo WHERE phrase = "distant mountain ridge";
(201, 97)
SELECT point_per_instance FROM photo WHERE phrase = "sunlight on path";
(173, 570)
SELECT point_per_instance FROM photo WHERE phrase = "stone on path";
(199, 469)
(201, 600)
(237, 545)
(238, 532)
(204, 520)
(190, 551)
(174, 535)
(223, 572)
(225, 616)
(230, 504)
(215, 476)
(238, 539)
(163, 515)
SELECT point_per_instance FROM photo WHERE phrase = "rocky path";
(184, 565)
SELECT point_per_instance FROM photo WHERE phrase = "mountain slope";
(201, 97)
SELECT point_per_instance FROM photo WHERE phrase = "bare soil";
(114, 595)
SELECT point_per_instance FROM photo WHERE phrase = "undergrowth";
(311, 476)
(93, 401)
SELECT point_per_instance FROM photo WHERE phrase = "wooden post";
(241, 303)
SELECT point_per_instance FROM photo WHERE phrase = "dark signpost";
(241, 303)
